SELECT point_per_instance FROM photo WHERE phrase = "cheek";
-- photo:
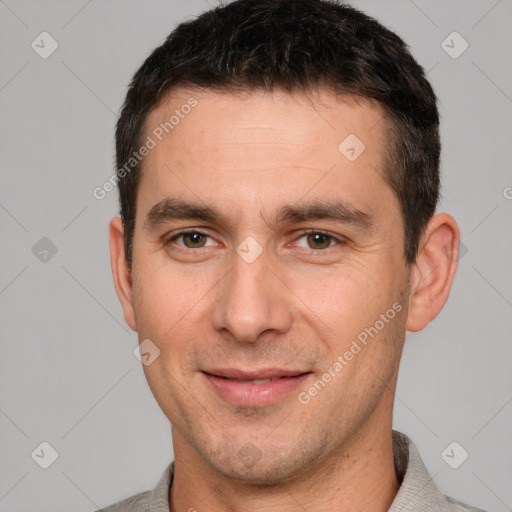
(171, 309)
(344, 301)
(164, 295)
(167, 310)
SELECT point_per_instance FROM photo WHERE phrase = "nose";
(252, 299)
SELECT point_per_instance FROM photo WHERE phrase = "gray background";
(68, 373)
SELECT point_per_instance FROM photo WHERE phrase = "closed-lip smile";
(254, 387)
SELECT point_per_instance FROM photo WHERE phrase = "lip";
(249, 394)
(264, 373)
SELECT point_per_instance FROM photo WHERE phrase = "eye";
(313, 240)
(318, 240)
(191, 239)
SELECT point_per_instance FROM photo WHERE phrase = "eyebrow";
(170, 209)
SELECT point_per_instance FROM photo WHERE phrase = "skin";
(299, 305)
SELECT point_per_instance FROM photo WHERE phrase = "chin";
(267, 466)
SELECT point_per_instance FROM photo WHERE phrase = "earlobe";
(121, 271)
(433, 272)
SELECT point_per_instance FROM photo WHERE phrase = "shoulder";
(156, 500)
(457, 506)
(136, 503)
(418, 492)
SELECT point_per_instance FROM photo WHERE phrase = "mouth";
(254, 388)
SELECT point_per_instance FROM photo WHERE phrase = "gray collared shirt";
(417, 493)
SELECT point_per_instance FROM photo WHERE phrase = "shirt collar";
(159, 499)
(417, 491)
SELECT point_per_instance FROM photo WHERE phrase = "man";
(278, 166)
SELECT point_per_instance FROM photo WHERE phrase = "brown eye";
(190, 240)
(319, 240)
(194, 239)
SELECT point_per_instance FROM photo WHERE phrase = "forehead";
(275, 117)
(214, 144)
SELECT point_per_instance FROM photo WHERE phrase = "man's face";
(250, 290)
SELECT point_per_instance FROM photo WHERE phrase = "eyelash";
(340, 241)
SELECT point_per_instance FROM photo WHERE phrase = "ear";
(434, 270)
(121, 271)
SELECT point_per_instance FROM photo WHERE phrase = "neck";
(360, 475)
